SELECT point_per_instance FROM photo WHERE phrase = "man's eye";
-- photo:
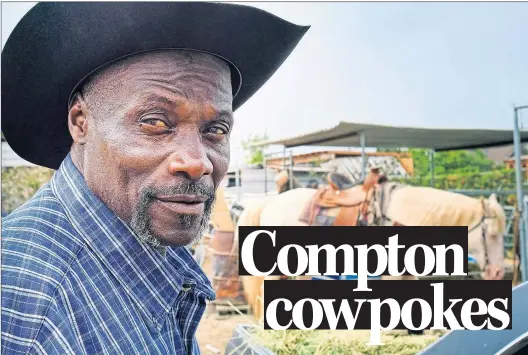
(155, 122)
(216, 130)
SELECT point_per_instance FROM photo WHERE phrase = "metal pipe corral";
(520, 199)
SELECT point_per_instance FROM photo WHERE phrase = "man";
(133, 104)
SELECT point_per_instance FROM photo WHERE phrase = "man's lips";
(188, 199)
(182, 204)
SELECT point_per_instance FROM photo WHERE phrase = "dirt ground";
(217, 332)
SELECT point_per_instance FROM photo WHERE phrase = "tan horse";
(394, 204)
(418, 206)
(397, 204)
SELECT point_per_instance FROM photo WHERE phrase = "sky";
(426, 64)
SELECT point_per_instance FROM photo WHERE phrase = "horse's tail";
(250, 216)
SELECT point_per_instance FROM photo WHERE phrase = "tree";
(451, 162)
(254, 155)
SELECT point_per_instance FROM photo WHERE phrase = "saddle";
(341, 193)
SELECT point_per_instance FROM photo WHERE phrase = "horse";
(404, 205)
(393, 204)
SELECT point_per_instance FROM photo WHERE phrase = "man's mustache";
(182, 188)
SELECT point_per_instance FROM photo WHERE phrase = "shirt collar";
(152, 279)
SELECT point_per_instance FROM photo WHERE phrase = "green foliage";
(254, 155)
(497, 180)
(451, 162)
(21, 183)
(461, 170)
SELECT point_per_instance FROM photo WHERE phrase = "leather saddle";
(340, 192)
(343, 193)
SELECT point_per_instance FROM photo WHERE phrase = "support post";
(520, 199)
(523, 245)
(265, 167)
(237, 179)
(363, 156)
(291, 170)
(431, 165)
(284, 158)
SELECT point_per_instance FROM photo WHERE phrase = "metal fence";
(509, 210)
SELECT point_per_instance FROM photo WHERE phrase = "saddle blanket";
(321, 216)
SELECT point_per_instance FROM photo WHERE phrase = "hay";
(340, 342)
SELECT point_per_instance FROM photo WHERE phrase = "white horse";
(397, 204)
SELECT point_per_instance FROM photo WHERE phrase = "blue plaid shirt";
(75, 280)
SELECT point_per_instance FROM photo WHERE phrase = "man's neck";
(77, 159)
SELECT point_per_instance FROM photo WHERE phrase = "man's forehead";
(160, 62)
(177, 57)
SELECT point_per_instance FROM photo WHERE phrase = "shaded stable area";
(349, 134)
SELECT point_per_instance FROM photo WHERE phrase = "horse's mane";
(498, 211)
(425, 206)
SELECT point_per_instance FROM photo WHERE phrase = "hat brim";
(56, 45)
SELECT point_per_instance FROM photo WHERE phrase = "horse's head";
(486, 239)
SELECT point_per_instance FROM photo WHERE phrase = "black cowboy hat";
(56, 45)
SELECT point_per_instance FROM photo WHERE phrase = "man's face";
(158, 141)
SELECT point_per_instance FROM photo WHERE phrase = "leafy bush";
(451, 162)
(254, 155)
(21, 183)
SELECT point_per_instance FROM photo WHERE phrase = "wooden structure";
(510, 163)
(278, 163)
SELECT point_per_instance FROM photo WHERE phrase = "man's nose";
(191, 160)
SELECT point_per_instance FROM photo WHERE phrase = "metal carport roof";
(347, 134)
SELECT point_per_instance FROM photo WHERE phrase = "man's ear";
(78, 119)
